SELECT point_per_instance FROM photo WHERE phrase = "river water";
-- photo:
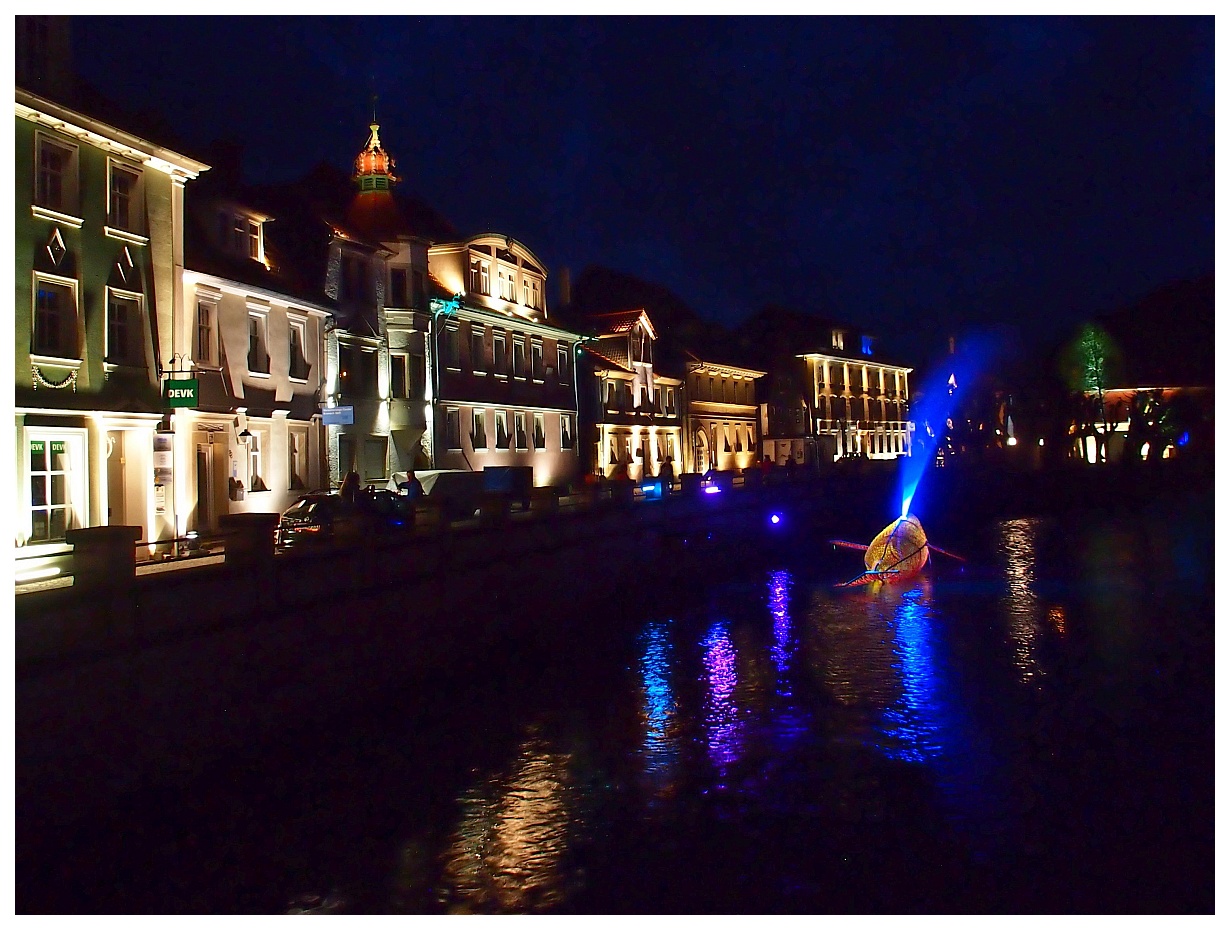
(1030, 731)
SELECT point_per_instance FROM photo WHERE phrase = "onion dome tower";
(373, 211)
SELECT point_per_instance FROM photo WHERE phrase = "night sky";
(908, 175)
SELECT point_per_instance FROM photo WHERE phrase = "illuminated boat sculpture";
(898, 552)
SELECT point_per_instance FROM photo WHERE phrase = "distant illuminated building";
(723, 421)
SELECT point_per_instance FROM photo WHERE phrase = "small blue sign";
(337, 416)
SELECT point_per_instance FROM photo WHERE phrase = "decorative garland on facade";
(69, 381)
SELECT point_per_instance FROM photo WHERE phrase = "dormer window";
(839, 339)
(242, 235)
(480, 276)
(256, 247)
(866, 345)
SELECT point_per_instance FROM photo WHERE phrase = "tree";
(1091, 363)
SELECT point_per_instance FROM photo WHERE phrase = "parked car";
(325, 518)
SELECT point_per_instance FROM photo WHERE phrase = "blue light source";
(775, 518)
(713, 489)
(1183, 440)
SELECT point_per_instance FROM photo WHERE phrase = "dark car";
(323, 518)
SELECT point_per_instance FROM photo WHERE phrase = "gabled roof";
(612, 324)
(609, 362)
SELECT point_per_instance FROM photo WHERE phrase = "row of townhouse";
(188, 347)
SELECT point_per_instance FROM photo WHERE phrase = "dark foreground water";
(1030, 733)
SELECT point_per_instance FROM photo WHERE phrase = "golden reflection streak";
(506, 852)
(1017, 543)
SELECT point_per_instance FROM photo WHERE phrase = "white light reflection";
(1020, 604)
(722, 726)
(658, 709)
(506, 853)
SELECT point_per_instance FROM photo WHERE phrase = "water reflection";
(723, 729)
(660, 749)
(912, 722)
(784, 644)
(506, 854)
(1017, 546)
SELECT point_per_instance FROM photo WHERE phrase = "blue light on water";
(660, 750)
(912, 723)
(783, 642)
(775, 519)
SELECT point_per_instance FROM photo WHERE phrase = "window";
(525, 292)
(296, 464)
(480, 276)
(452, 429)
(418, 376)
(500, 352)
(478, 430)
(452, 348)
(345, 454)
(375, 458)
(478, 351)
(565, 431)
(399, 375)
(258, 354)
(124, 332)
(866, 345)
(610, 395)
(255, 464)
(55, 184)
(55, 320)
(536, 361)
(205, 349)
(122, 212)
(256, 245)
(535, 295)
(501, 429)
(398, 288)
(354, 279)
(420, 291)
(839, 339)
(561, 363)
(299, 367)
(670, 401)
(540, 436)
(52, 484)
(519, 423)
(518, 357)
(507, 284)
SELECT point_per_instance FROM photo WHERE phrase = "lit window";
(519, 425)
(299, 366)
(124, 331)
(480, 276)
(540, 436)
(255, 464)
(866, 345)
(452, 429)
(500, 353)
(55, 185)
(206, 319)
(122, 212)
(399, 375)
(565, 431)
(55, 320)
(52, 485)
(255, 246)
(478, 431)
(839, 339)
(502, 438)
(258, 353)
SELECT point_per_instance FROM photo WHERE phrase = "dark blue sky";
(911, 175)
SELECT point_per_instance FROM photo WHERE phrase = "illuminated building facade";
(251, 337)
(722, 416)
(636, 413)
(860, 404)
(99, 238)
(503, 389)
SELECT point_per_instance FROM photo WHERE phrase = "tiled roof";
(605, 359)
(615, 323)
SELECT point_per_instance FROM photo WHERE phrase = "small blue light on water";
(713, 489)
(775, 519)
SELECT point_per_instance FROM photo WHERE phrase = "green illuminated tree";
(1091, 363)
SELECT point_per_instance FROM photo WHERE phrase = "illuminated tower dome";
(374, 212)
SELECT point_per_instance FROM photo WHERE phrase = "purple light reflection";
(783, 644)
(725, 735)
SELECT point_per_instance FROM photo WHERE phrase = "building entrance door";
(204, 489)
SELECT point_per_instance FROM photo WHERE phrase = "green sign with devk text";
(181, 393)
